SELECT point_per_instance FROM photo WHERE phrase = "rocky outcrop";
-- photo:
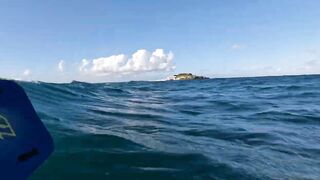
(187, 76)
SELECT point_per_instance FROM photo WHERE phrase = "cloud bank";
(140, 61)
(303, 68)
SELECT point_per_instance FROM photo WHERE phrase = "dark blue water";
(242, 128)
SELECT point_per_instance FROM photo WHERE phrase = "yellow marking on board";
(5, 124)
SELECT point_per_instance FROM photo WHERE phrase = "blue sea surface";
(238, 128)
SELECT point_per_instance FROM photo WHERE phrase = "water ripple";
(239, 128)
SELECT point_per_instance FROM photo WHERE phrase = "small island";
(186, 76)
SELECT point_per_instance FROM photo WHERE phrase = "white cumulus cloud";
(83, 66)
(26, 72)
(238, 46)
(140, 61)
(61, 66)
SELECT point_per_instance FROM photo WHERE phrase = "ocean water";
(240, 128)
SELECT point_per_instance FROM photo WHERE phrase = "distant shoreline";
(163, 80)
(186, 76)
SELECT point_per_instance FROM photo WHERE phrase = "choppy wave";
(241, 128)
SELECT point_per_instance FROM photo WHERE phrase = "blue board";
(25, 143)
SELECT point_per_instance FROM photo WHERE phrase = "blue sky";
(208, 37)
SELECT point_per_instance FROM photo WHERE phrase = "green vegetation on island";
(187, 76)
